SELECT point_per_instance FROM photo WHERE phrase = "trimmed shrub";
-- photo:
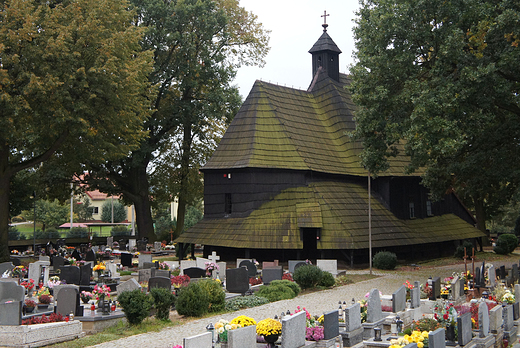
(385, 260)
(77, 232)
(276, 292)
(48, 233)
(120, 231)
(200, 298)
(294, 287)
(459, 252)
(506, 244)
(327, 280)
(163, 300)
(242, 302)
(308, 276)
(136, 305)
(13, 233)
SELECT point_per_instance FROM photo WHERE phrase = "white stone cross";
(213, 257)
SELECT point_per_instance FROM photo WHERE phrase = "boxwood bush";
(327, 280)
(200, 298)
(459, 252)
(506, 244)
(276, 292)
(308, 276)
(294, 287)
(385, 260)
(242, 302)
(163, 300)
(136, 305)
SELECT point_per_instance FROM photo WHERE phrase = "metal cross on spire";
(325, 25)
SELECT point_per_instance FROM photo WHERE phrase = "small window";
(227, 203)
(411, 208)
(429, 208)
(95, 210)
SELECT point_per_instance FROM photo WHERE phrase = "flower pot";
(43, 305)
(29, 309)
(450, 333)
(271, 339)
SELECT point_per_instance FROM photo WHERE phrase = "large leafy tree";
(440, 80)
(72, 87)
(198, 45)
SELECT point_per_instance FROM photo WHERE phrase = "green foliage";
(385, 260)
(517, 226)
(77, 232)
(242, 302)
(83, 210)
(276, 292)
(49, 233)
(459, 252)
(136, 305)
(308, 276)
(436, 80)
(49, 213)
(327, 280)
(294, 287)
(119, 211)
(200, 298)
(506, 244)
(120, 231)
(163, 300)
(14, 234)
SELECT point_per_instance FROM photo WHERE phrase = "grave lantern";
(399, 324)
(211, 329)
(377, 334)
(340, 311)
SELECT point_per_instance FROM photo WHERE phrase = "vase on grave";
(450, 335)
(271, 339)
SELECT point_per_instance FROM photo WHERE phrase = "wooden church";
(286, 182)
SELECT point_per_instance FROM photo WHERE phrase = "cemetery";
(66, 297)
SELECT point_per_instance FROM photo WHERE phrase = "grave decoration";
(418, 337)
(99, 269)
(222, 327)
(86, 296)
(269, 329)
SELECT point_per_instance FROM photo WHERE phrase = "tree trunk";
(5, 178)
(184, 173)
(141, 198)
(480, 214)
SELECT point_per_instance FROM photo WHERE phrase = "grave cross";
(465, 263)
(213, 257)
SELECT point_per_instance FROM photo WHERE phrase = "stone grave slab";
(11, 291)
(507, 316)
(126, 259)
(221, 271)
(240, 260)
(57, 262)
(159, 282)
(352, 317)
(11, 313)
(436, 288)
(516, 308)
(495, 319)
(195, 272)
(187, 264)
(517, 292)
(244, 337)
(237, 280)
(270, 274)
(201, 262)
(330, 324)
(492, 276)
(269, 264)
(514, 271)
(90, 256)
(161, 273)
(455, 290)
(461, 287)
(293, 330)
(128, 285)
(157, 246)
(141, 245)
(483, 320)
(144, 258)
(436, 339)
(75, 254)
(374, 311)
(85, 272)
(144, 275)
(37, 268)
(203, 340)
(292, 263)
(132, 243)
(6, 266)
(110, 240)
(112, 269)
(148, 265)
(503, 272)
(66, 301)
(251, 268)
(70, 274)
(399, 299)
(330, 266)
(44, 258)
(464, 328)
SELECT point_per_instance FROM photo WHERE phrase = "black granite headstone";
(159, 282)
(237, 280)
(195, 272)
(330, 325)
(270, 274)
(75, 254)
(251, 268)
(122, 245)
(85, 274)
(70, 274)
(83, 248)
(478, 281)
(58, 261)
(436, 289)
(91, 256)
(503, 273)
(126, 259)
(141, 245)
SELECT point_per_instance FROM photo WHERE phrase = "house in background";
(286, 182)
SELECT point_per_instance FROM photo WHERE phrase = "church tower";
(325, 54)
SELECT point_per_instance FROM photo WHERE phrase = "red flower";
(446, 316)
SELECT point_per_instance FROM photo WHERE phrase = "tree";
(48, 213)
(119, 211)
(439, 81)
(83, 210)
(72, 87)
(198, 45)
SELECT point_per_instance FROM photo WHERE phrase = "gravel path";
(315, 303)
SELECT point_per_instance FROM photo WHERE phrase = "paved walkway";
(316, 303)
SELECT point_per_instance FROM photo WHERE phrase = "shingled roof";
(339, 209)
(285, 128)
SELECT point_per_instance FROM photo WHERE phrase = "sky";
(295, 26)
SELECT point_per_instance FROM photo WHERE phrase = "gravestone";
(478, 281)
(292, 263)
(57, 288)
(129, 285)
(495, 319)
(221, 271)
(11, 303)
(90, 256)
(464, 328)
(517, 292)
(195, 272)
(330, 266)
(244, 337)
(126, 259)
(352, 317)
(199, 341)
(514, 269)
(11, 291)
(516, 308)
(110, 240)
(503, 272)
(112, 269)
(75, 254)
(399, 299)
(507, 316)
(269, 264)
(57, 262)
(141, 245)
(148, 265)
(71, 274)
(436, 339)
(44, 258)
(132, 244)
(122, 245)
(144, 258)
(461, 287)
(187, 264)
(483, 320)
(455, 289)
(35, 270)
(492, 277)
(293, 330)
(299, 264)
(374, 311)
(95, 249)
(330, 324)
(251, 268)
(270, 274)
(85, 273)
(66, 301)
(237, 280)
(159, 282)
(6, 266)
(436, 289)
(144, 275)
(157, 246)
(415, 297)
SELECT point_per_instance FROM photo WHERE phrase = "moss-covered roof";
(286, 128)
(339, 209)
